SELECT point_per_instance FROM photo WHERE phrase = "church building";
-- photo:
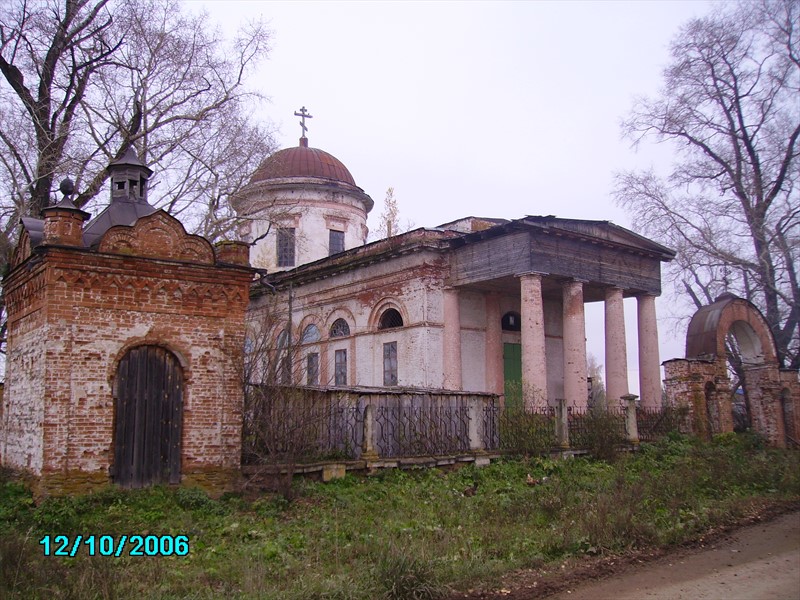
(470, 305)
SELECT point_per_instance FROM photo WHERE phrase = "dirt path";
(759, 561)
(753, 562)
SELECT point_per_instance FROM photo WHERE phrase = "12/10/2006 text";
(109, 545)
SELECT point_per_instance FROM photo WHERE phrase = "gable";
(601, 231)
(158, 235)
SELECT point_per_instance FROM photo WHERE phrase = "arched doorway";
(148, 410)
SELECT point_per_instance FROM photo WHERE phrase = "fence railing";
(294, 424)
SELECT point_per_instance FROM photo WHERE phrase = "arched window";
(310, 334)
(511, 321)
(284, 359)
(283, 340)
(390, 318)
(340, 328)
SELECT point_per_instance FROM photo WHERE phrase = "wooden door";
(148, 418)
(512, 371)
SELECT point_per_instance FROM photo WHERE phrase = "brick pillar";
(616, 350)
(233, 253)
(63, 224)
(649, 363)
(575, 383)
(451, 356)
(534, 363)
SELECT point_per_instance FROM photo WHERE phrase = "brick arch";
(151, 339)
(688, 380)
(711, 325)
(383, 305)
(339, 313)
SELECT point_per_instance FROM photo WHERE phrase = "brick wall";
(74, 316)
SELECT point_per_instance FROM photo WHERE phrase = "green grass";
(400, 534)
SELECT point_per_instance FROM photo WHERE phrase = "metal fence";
(294, 424)
(517, 430)
(655, 423)
(304, 424)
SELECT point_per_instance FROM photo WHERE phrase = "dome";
(302, 161)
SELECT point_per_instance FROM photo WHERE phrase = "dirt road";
(757, 562)
(760, 561)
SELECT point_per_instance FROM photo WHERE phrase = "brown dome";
(302, 161)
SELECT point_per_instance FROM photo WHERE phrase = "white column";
(534, 362)
(616, 351)
(451, 354)
(649, 362)
(574, 346)
(494, 345)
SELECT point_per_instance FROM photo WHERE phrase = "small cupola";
(129, 177)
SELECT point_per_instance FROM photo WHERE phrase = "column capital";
(539, 274)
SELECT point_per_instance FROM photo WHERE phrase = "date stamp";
(112, 545)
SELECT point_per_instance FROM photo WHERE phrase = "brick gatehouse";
(124, 344)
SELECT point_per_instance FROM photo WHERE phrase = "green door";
(512, 371)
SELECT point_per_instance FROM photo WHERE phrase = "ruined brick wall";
(790, 405)
(686, 384)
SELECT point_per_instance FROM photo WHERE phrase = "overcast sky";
(499, 109)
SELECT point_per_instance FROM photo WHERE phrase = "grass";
(399, 534)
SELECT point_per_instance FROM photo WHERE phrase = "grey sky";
(474, 108)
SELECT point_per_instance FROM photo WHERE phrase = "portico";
(546, 269)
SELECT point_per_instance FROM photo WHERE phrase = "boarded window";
(390, 318)
(340, 328)
(390, 363)
(340, 367)
(286, 247)
(335, 242)
(511, 321)
(312, 369)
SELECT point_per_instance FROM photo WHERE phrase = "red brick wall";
(65, 345)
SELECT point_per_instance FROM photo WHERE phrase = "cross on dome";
(303, 114)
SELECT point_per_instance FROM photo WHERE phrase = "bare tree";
(595, 372)
(84, 80)
(181, 101)
(286, 423)
(48, 56)
(730, 206)
(389, 223)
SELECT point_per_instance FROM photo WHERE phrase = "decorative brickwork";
(74, 311)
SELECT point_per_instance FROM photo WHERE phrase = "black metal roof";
(121, 211)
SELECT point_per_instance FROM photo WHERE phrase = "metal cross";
(303, 114)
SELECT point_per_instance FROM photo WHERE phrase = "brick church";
(126, 334)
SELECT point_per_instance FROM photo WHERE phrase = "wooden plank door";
(148, 418)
